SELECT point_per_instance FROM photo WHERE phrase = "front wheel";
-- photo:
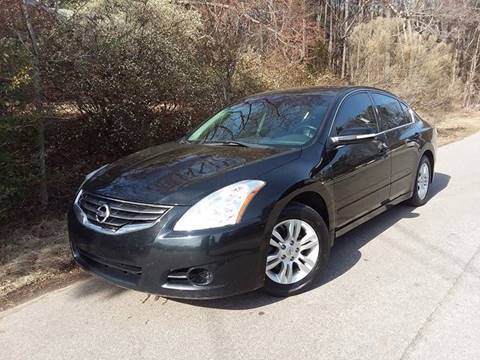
(298, 250)
(422, 183)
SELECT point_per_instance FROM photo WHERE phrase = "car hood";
(181, 174)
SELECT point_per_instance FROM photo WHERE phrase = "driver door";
(360, 170)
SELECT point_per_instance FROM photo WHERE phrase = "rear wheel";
(298, 250)
(422, 183)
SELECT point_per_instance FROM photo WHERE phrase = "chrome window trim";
(82, 217)
(336, 139)
(395, 128)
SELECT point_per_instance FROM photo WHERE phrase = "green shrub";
(15, 79)
(17, 166)
(132, 67)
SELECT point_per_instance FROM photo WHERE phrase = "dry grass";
(457, 125)
(412, 65)
(32, 255)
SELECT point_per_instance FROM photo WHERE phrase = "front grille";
(121, 212)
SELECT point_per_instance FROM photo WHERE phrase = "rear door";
(361, 171)
(396, 122)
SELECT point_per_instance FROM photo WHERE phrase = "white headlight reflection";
(221, 208)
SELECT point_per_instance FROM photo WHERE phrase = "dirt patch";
(39, 287)
(455, 126)
(34, 257)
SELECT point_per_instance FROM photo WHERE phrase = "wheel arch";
(321, 202)
(429, 154)
(315, 201)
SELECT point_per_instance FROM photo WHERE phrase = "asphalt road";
(406, 285)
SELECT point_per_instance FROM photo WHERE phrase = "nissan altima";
(255, 196)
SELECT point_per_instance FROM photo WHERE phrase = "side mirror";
(353, 136)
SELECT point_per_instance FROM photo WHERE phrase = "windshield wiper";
(228, 143)
(235, 143)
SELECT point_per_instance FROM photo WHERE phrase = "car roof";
(315, 90)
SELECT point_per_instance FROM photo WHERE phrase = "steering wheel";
(307, 130)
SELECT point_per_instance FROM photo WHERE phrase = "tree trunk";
(357, 64)
(37, 87)
(454, 65)
(330, 41)
(303, 49)
(344, 52)
(470, 84)
(325, 19)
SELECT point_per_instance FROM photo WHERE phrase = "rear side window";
(391, 114)
(356, 112)
(407, 112)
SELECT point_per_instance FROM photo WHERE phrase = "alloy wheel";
(293, 252)
(423, 180)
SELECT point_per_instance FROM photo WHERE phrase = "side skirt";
(371, 214)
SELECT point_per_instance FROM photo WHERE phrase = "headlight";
(222, 207)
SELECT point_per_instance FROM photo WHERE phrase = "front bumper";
(156, 260)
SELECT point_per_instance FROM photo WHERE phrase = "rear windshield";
(283, 120)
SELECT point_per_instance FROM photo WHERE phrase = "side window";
(356, 112)
(391, 114)
(407, 113)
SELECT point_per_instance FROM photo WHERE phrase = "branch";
(280, 37)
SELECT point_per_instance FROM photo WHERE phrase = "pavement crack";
(421, 331)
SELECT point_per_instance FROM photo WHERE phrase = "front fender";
(293, 179)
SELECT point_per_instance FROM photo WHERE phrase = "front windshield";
(283, 120)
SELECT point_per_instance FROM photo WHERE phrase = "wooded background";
(84, 82)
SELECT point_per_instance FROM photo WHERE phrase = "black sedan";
(255, 196)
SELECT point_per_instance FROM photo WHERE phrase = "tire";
(295, 265)
(419, 198)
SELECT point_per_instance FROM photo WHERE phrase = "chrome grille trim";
(124, 216)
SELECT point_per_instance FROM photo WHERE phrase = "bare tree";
(38, 101)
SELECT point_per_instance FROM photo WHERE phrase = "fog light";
(200, 276)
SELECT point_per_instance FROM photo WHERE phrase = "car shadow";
(344, 255)
(94, 286)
